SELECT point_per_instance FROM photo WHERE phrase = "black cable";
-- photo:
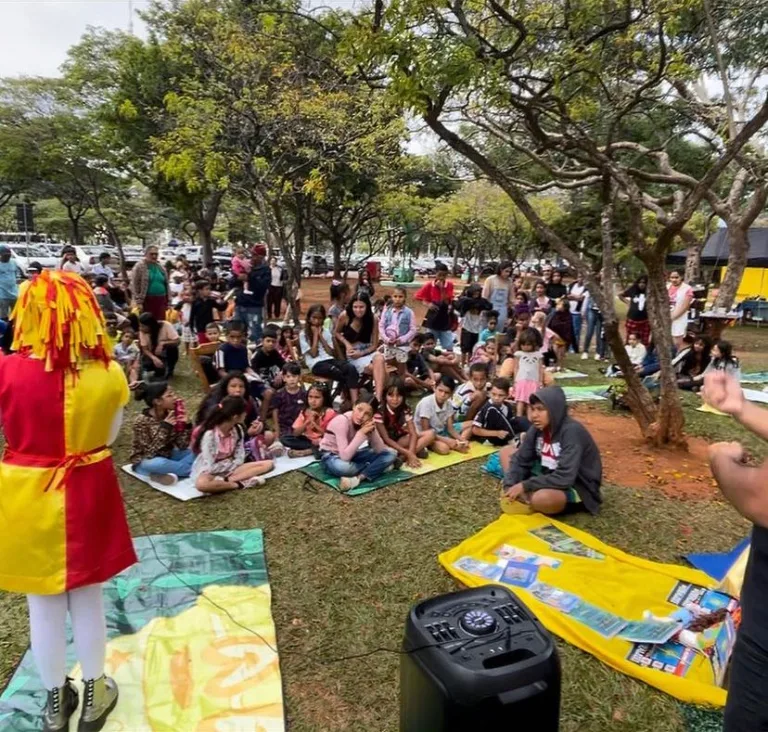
(308, 654)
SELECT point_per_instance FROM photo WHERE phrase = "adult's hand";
(723, 392)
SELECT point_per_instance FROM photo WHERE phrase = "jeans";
(595, 325)
(747, 706)
(180, 464)
(444, 338)
(253, 317)
(274, 300)
(366, 463)
(169, 357)
(576, 321)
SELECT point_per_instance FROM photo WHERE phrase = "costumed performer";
(63, 529)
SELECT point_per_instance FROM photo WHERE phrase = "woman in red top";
(439, 297)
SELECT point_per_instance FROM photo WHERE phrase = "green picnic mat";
(584, 393)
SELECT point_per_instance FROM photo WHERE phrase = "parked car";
(24, 255)
(314, 264)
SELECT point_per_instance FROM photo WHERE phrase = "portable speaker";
(478, 658)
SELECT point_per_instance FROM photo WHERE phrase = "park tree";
(127, 86)
(480, 221)
(557, 84)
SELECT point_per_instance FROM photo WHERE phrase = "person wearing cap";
(249, 301)
(9, 288)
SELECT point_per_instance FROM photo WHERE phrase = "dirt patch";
(630, 462)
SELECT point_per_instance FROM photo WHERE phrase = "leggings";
(274, 301)
(341, 371)
(48, 636)
(296, 442)
(169, 357)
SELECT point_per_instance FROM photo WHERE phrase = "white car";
(24, 255)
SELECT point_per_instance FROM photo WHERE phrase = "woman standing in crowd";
(357, 331)
(637, 316)
(159, 343)
(63, 530)
(680, 297)
(161, 435)
(499, 290)
(578, 299)
(275, 292)
(149, 285)
(556, 289)
(438, 295)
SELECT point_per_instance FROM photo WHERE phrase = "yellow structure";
(754, 283)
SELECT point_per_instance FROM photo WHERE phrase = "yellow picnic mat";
(589, 593)
(428, 465)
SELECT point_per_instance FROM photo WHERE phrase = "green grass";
(344, 573)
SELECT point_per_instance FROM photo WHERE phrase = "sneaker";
(276, 450)
(100, 698)
(164, 478)
(584, 356)
(347, 484)
(597, 357)
(59, 707)
(301, 453)
(253, 482)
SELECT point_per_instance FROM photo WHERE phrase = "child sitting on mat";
(220, 446)
(496, 421)
(309, 426)
(418, 375)
(442, 362)
(288, 403)
(488, 355)
(435, 412)
(471, 395)
(558, 465)
(394, 421)
(351, 448)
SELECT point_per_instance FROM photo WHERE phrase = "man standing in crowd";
(102, 267)
(9, 289)
(249, 301)
(744, 487)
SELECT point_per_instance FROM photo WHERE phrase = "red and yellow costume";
(62, 520)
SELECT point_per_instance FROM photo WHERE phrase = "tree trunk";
(74, 227)
(638, 397)
(115, 239)
(737, 262)
(338, 245)
(206, 241)
(668, 428)
(692, 256)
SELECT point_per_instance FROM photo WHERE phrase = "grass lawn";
(345, 571)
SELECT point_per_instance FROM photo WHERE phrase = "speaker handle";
(524, 692)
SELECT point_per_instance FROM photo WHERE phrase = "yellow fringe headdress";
(58, 320)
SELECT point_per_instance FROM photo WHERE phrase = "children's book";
(479, 568)
(509, 553)
(554, 597)
(602, 622)
(649, 631)
(562, 543)
(519, 574)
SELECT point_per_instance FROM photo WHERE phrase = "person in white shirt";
(577, 300)
(69, 261)
(636, 350)
(680, 298)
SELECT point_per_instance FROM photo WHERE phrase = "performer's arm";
(742, 485)
(114, 430)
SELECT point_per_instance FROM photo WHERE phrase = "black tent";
(715, 251)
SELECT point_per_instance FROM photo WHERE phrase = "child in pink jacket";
(352, 448)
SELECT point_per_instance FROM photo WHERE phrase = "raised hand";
(723, 392)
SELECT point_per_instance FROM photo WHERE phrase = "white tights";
(47, 630)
